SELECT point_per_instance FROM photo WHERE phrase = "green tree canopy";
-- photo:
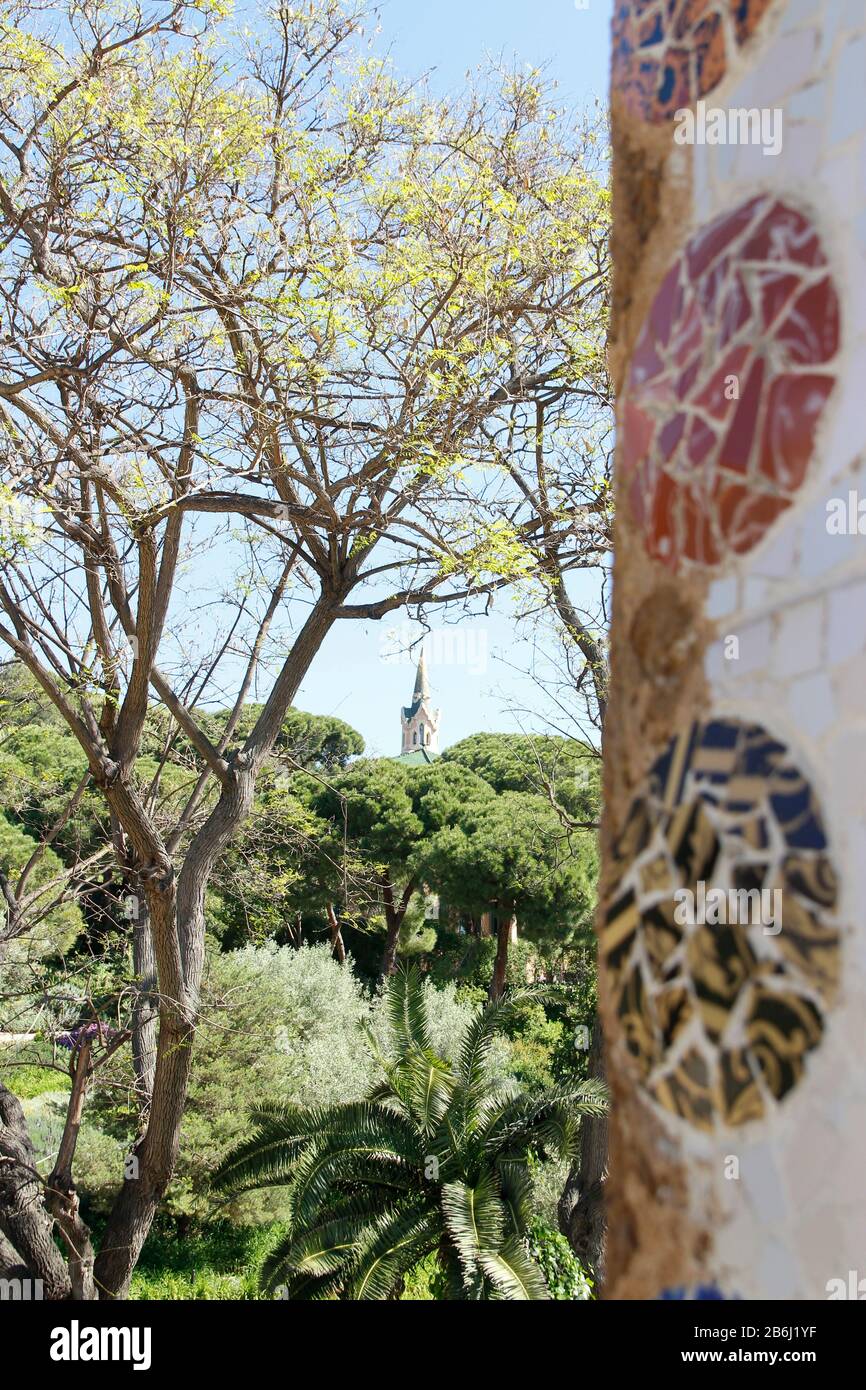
(382, 813)
(562, 768)
(512, 853)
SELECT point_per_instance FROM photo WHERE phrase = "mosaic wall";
(669, 53)
(720, 1013)
(733, 935)
(727, 385)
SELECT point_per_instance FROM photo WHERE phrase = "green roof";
(417, 756)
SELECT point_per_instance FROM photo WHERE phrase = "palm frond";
(266, 1158)
(318, 1250)
(427, 1084)
(276, 1276)
(375, 1149)
(385, 1096)
(513, 1272)
(516, 1187)
(366, 1202)
(394, 1246)
(474, 1053)
(548, 1118)
(474, 1218)
(407, 1011)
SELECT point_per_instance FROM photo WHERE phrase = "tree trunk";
(338, 947)
(23, 1219)
(61, 1198)
(144, 1013)
(393, 921)
(156, 1152)
(581, 1206)
(11, 1265)
(177, 925)
(505, 933)
(394, 914)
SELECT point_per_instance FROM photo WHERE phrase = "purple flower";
(85, 1031)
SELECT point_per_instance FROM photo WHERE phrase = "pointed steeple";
(419, 722)
(422, 684)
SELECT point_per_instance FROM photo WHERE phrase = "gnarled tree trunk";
(581, 1206)
(29, 1243)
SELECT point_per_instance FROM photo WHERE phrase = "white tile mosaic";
(805, 657)
(811, 704)
(798, 645)
(796, 604)
(846, 102)
(846, 630)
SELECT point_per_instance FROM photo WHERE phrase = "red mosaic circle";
(727, 383)
(669, 53)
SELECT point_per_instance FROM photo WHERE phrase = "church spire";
(419, 721)
(422, 684)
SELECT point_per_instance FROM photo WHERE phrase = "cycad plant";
(434, 1161)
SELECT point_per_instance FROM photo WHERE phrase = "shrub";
(276, 1022)
(289, 1025)
(563, 1273)
(434, 1161)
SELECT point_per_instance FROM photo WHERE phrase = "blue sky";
(477, 669)
(450, 36)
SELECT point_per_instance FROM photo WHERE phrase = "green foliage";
(219, 1262)
(271, 872)
(369, 858)
(568, 771)
(385, 808)
(417, 935)
(533, 1045)
(313, 742)
(511, 850)
(58, 923)
(282, 862)
(41, 763)
(360, 237)
(274, 1022)
(425, 1283)
(449, 1011)
(563, 1273)
(435, 1160)
(292, 1025)
(27, 1081)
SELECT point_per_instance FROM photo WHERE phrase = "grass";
(30, 1080)
(221, 1262)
